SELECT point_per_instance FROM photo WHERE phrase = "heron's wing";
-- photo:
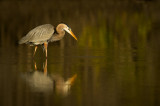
(39, 34)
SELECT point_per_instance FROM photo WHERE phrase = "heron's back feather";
(38, 35)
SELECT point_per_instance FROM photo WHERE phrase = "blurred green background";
(116, 58)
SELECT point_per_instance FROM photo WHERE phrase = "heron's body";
(44, 34)
(40, 35)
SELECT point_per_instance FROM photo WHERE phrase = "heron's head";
(68, 29)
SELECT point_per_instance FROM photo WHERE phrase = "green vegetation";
(126, 29)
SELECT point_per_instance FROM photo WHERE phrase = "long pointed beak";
(71, 33)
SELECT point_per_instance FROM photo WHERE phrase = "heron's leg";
(35, 50)
(45, 68)
(45, 46)
(35, 66)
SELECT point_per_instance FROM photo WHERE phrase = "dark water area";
(115, 61)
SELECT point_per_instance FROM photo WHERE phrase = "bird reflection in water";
(42, 82)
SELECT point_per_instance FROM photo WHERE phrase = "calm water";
(115, 62)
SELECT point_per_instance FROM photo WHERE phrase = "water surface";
(115, 61)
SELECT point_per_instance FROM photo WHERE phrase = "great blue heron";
(44, 34)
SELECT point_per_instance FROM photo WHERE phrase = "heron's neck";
(60, 31)
(58, 35)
